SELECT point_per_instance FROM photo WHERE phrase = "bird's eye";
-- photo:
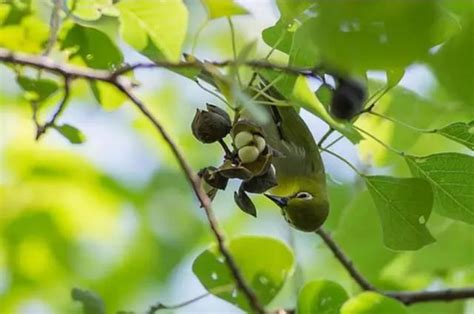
(304, 196)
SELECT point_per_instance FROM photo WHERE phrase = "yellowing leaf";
(29, 36)
(164, 23)
(220, 8)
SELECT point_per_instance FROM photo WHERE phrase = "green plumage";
(299, 170)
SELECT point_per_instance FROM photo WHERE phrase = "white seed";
(259, 142)
(242, 139)
(248, 154)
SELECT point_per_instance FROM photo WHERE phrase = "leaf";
(453, 64)
(39, 89)
(404, 206)
(265, 263)
(28, 36)
(321, 296)
(372, 303)
(108, 96)
(91, 302)
(394, 76)
(324, 94)
(305, 98)
(452, 178)
(91, 10)
(74, 135)
(279, 36)
(96, 50)
(290, 9)
(245, 203)
(223, 8)
(93, 47)
(460, 132)
(374, 34)
(164, 23)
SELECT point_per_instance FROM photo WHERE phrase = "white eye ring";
(304, 195)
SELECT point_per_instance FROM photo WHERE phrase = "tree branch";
(410, 297)
(345, 261)
(406, 297)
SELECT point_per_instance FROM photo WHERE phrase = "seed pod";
(248, 154)
(242, 139)
(244, 202)
(213, 178)
(211, 126)
(348, 99)
(232, 171)
(261, 183)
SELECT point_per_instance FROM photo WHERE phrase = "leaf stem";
(401, 123)
(325, 136)
(393, 150)
(343, 160)
(234, 47)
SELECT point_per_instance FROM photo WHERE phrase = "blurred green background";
(114, 215)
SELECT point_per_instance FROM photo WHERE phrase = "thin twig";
(325, 136)
(160, 306)
(345, 261)
(41, 129)
(411, 297)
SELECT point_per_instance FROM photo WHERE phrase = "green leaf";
(452, 178)
(264, 262)
(222, 8)
(321, 296)
(279, 36)
(96, 50)
(374, 34)
(394, 76)
(290, 9)
(91, 10)
(91, 302)
(108, 96)
(39, 89)
(324, 94)
(93, 47)
(372, 303)
(460, 132)
(453, 64)
(404, 206)
(74, 135)
(304, 51)
(305, 98)
(245, 203)
(164, 23)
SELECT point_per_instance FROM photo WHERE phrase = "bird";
(301, 191)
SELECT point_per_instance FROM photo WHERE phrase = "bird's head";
(302, 210)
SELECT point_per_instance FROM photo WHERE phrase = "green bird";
(301, 191)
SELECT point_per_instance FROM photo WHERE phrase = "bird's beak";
(280, 201)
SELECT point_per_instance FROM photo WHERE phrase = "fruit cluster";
(249, 160)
